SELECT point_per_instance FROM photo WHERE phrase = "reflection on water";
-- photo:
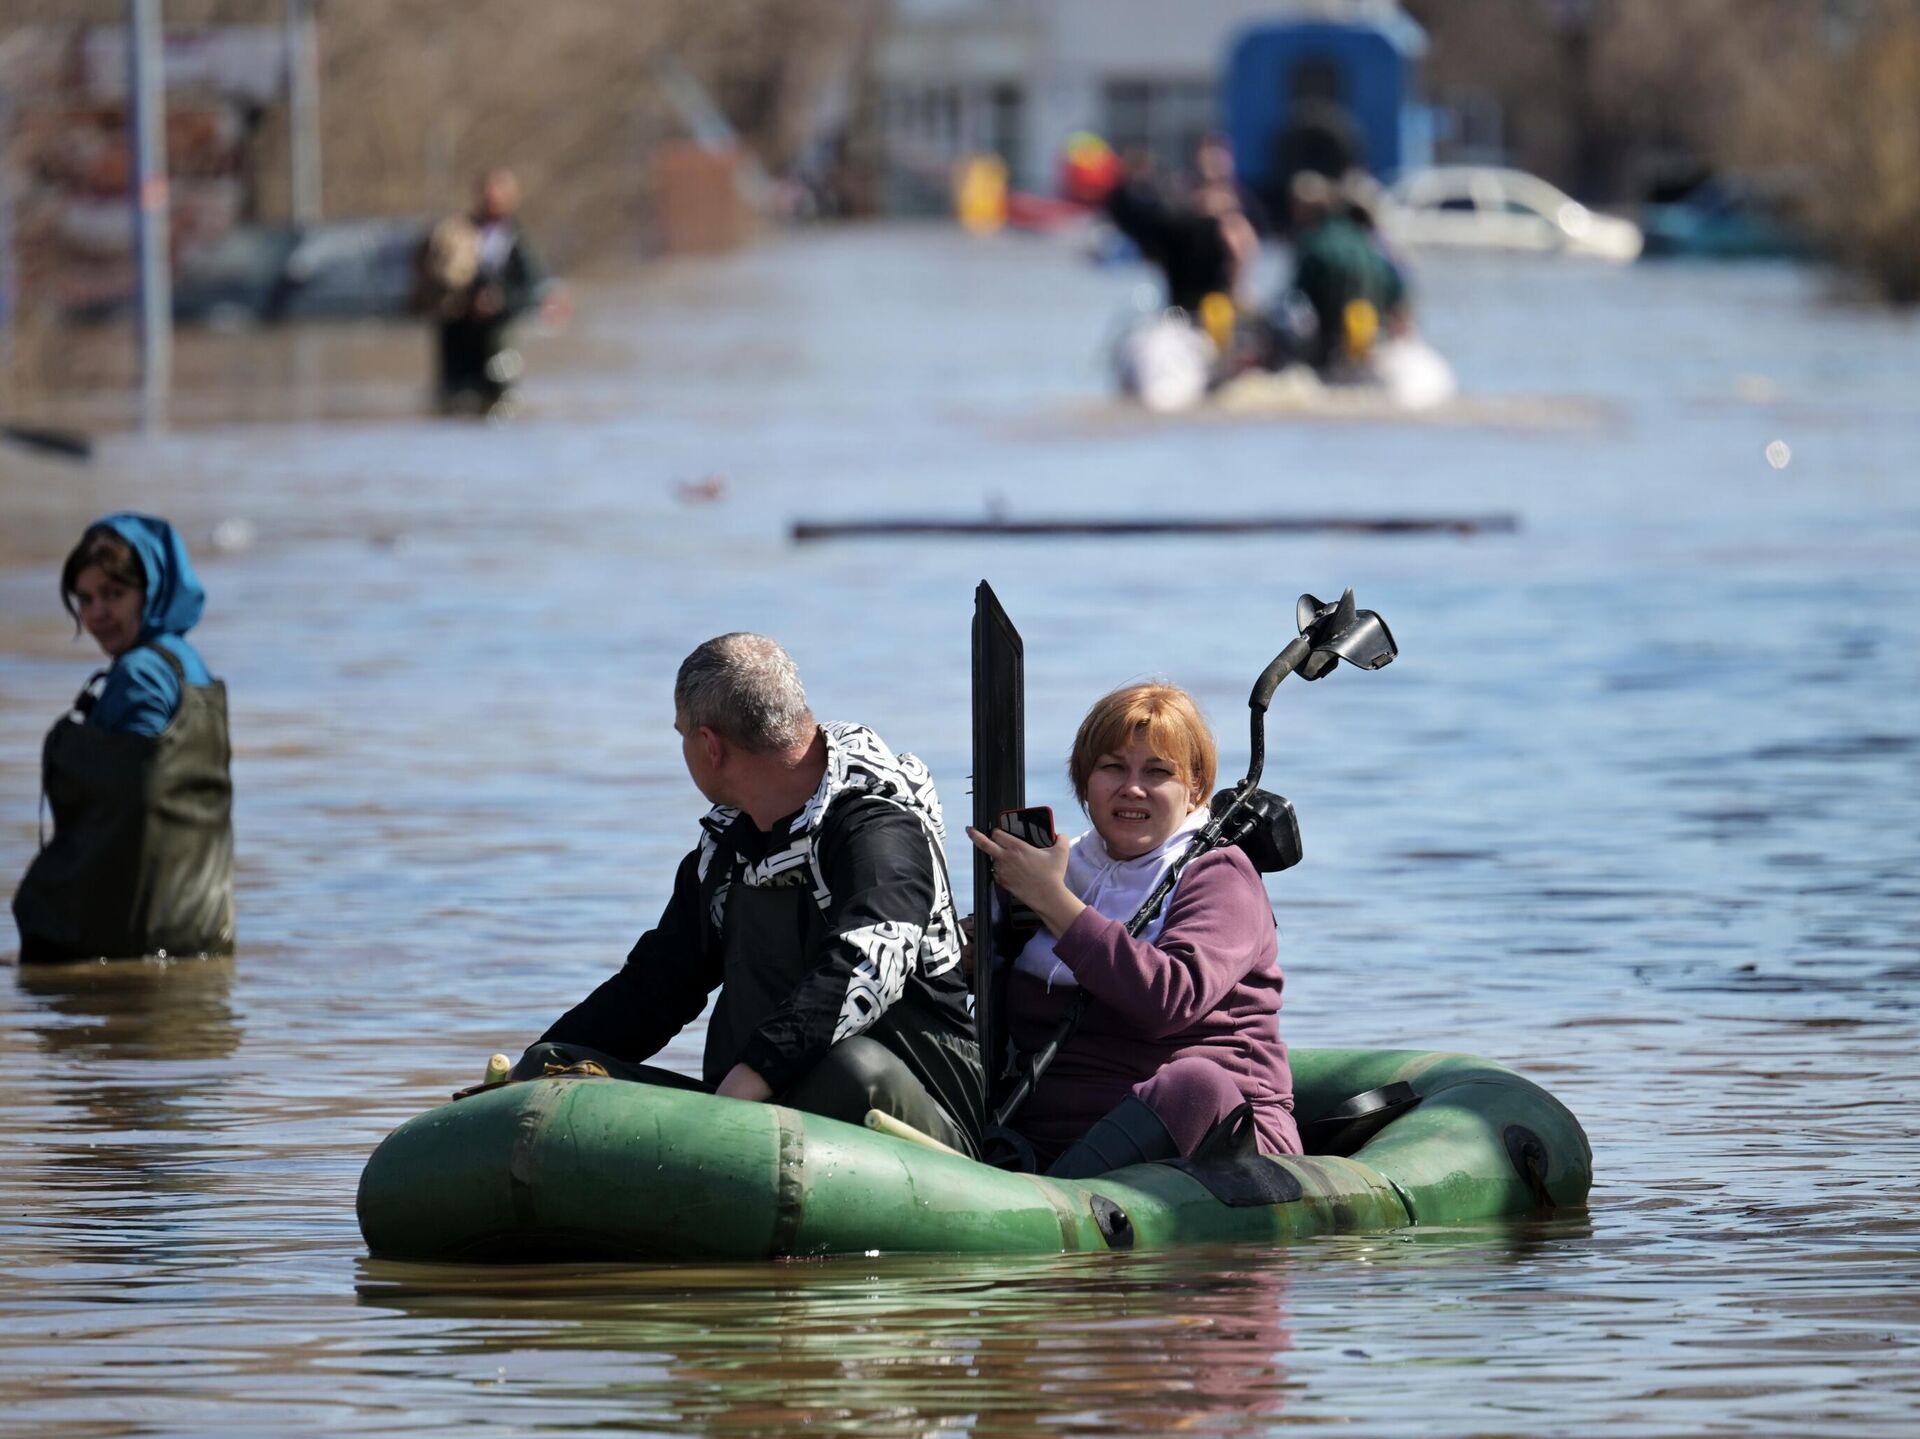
(133, 1009)
(913, 1347)
(1635, 811)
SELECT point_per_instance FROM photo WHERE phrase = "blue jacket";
(142, 692)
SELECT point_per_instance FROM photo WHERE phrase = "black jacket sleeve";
(1142, 214)
(523, 281)
(659, 991)
(878, 865)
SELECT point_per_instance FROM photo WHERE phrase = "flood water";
(1637, 811)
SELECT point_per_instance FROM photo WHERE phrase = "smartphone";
(1034, 825)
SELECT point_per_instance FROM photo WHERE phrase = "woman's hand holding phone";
(1034, 875)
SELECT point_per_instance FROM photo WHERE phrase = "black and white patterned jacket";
(870, 846)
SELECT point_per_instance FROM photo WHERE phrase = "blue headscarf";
(142, 692)
(175, 596)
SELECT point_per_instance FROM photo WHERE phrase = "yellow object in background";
(498, 1068)
(980, 193)
(1361, 323)
(1216, 318)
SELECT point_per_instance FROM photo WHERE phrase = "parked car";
(1481, 207)
(261, 274)
(1725, 217)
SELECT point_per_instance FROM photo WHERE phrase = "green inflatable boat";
(588, 1168)
(570, 1167)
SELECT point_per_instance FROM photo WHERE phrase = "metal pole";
(7, 300)
(147, 112)
(303, 109)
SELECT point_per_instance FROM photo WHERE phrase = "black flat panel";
(999, 783)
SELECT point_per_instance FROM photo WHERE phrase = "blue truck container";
(1326, 94)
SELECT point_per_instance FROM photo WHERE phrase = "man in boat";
(1218, 189)
(816, 902)
(1202, 244)
(1356, 293)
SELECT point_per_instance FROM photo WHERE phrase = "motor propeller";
(1338, 632)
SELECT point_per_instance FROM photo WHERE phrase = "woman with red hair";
(1181, 1025)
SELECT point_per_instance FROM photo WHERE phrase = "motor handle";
(1283, 664)
(1037, 1063)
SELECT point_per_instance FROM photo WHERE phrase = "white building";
(1018, 77)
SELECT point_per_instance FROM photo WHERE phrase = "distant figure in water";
(1217, 187)
(1342, 272)
(477, 274)
(1202, 244)
(1199, 236)
(136, 774)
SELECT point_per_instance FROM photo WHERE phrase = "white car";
(1482, 208)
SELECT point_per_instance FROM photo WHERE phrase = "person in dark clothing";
(1186, 242)
(1363, 198)
(1354, 291)
(1320, 137)
(478, 274)
(816, 902)
(136, 773)
(1217, 186)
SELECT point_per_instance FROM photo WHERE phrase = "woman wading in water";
(136, 774)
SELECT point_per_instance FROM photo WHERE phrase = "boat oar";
(1329, 633)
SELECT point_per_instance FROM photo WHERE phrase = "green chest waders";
(141, 859)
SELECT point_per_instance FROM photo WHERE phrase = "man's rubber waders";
(141, 859)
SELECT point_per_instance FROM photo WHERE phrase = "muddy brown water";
(1637, 811)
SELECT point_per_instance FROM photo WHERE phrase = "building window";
(1166, 117)
(1007, 121)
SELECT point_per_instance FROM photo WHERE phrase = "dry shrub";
(1865, 196)
(417, 98)
(1822, 97)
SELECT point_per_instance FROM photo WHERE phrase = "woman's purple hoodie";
(1208, 987)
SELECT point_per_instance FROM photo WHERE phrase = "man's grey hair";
(746, 689)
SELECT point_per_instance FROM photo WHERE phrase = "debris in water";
(1001, 525)
(232, 536)
(703, 491)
